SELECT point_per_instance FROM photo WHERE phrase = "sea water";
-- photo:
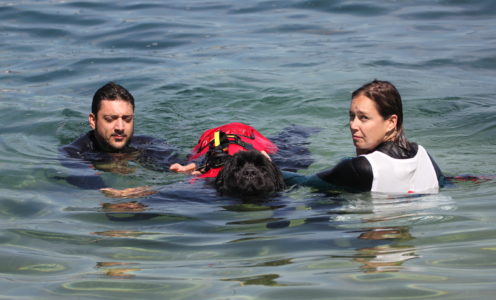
(193, 65)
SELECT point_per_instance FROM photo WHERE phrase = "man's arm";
(82, 174)
(155, 154)
(188, 169)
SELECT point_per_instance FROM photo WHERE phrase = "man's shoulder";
(154, 153)
(84, 143)
(144, 139)
(147, 142)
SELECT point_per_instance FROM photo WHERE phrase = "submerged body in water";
(84, 158)
(391, 169)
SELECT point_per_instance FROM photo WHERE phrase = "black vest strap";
(217, 155)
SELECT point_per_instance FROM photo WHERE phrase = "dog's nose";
(250, 172)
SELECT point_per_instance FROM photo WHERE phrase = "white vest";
(410, 175)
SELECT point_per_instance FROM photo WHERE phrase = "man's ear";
(92, 120)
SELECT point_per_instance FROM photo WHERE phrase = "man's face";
(113, 124)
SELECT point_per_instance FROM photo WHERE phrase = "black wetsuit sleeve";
(156, 154)
(291, 179)
(87, 182)
(292, 143)
(81, 174)
(439, 174)
(354, 174)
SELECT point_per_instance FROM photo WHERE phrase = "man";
(112, 118)
(111, 145)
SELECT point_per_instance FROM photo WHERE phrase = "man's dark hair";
(110, 91)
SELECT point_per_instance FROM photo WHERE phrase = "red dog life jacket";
(230, 139)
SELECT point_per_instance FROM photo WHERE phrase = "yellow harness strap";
(216, 138)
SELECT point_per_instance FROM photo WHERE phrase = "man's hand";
(178, 168)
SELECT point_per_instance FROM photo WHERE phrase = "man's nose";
(119, 124)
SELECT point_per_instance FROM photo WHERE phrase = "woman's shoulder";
(394, 150)
(354, 173)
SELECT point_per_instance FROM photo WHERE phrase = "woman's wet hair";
(110, 91)
(387, 100)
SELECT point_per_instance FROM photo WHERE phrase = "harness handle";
(217, 153)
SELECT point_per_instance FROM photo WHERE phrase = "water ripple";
(452, 9)
(341, 7)
(19, 16)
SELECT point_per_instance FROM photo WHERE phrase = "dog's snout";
(250, 172)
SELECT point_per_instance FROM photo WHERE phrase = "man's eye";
(127, 118)
(108, 118)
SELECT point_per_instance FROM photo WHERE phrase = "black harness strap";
(217, 155)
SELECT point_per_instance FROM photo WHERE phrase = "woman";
(386, 161)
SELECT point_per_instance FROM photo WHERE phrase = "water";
(193, 65)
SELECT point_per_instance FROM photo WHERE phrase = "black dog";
(249, 174)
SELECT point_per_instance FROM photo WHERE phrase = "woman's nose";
(353, 124)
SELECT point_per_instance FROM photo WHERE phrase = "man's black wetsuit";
(84, 154)
(356, 174)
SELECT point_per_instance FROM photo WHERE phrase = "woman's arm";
(313, 181)
(352, 174)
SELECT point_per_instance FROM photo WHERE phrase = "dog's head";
(249, 174)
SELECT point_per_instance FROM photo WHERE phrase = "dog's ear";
(220, 181)
(224, 174)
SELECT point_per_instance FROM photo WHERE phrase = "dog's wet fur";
(249, 175)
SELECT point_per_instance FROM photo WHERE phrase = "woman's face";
(368, 127)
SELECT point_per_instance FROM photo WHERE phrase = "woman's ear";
(392, 122)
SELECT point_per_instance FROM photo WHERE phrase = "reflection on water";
(122, 233)
(385, 258)
(119, 167)
(267, 280)
(394, 248)
(117, 269)
(123, 207)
